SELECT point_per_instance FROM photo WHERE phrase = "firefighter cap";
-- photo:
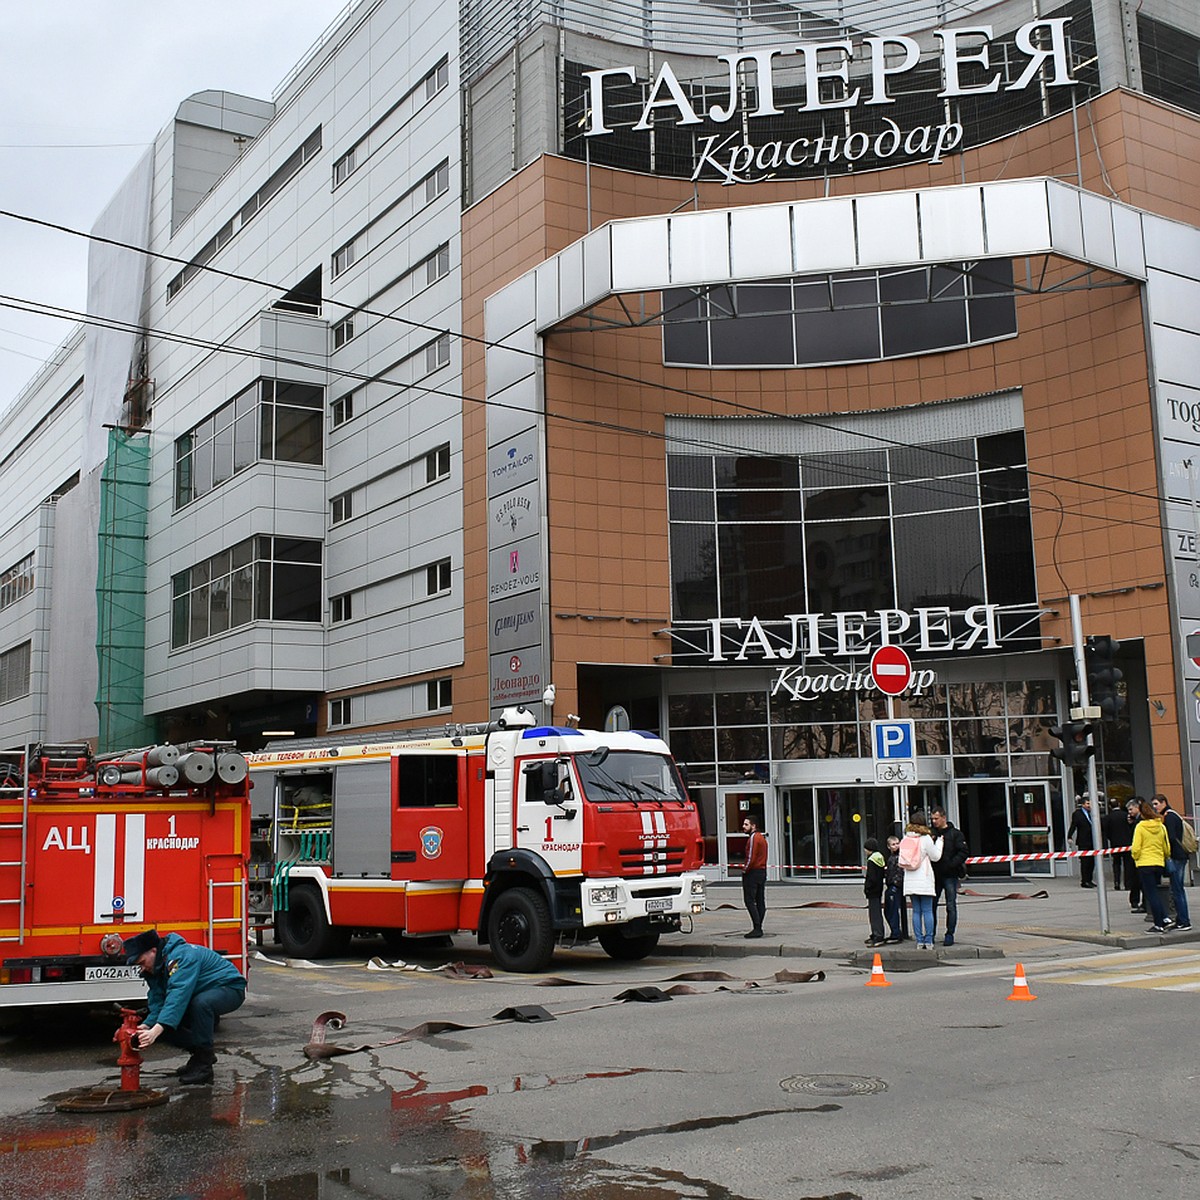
(136, 946)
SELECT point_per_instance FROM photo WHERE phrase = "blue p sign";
(893, 740)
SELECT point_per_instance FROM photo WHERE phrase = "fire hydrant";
(130, 1060)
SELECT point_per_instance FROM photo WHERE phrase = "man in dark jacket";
(948, 871)
(1178, 861)
(1081, 830)
(1118, 833)
(189, 988)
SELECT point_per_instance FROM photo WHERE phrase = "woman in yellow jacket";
(1150, 850)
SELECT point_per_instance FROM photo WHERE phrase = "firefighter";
(190, 987)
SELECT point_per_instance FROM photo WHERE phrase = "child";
(897, 914)
(873, 890)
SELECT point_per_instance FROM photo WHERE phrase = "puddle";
(273, 1139)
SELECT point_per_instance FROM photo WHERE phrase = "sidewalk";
(1029, 919)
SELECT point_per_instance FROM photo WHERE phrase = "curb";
(854, 957)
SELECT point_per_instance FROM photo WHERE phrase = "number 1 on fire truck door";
(552, 819)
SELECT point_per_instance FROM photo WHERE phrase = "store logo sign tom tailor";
(824, 68)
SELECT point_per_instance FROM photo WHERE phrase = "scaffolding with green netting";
(121, 594)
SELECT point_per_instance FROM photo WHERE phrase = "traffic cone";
(878, 979)
(1020, 987)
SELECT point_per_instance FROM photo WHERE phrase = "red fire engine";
(95, 849)
(514, 832)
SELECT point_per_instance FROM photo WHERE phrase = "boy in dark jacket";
(873, 890)
(897, 914)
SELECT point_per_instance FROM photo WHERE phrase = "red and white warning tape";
(974, 861)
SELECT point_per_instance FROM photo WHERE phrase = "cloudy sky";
(85, 85)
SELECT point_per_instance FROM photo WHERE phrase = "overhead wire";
(813, 421)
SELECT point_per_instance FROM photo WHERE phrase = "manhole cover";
(833, 1085)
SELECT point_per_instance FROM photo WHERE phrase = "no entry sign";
(891, 669)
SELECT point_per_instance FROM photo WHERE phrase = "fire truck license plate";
(90, 973)
(659, 904)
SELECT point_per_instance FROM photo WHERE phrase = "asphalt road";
(746, 1087)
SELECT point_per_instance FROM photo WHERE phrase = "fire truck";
(521, 834)
(95, 849)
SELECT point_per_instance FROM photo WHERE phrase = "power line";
(863, 474)
(617, 376)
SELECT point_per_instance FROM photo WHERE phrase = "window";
(855, 316)
(339, 712)
(437, 265)
(345, 166)
(14, 672)
(341, 608)
(344, 258)
(427, 780)
(343, 331)
(932, 524)
(271, 419)
(437, 464)
(437, 79)
(437, 182)
(437, 577)
(342, 409)
(260, 579)
(342, 507)
(437, 354)
(17, 581)
(437, 694)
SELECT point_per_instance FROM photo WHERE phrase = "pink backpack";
(909, 855)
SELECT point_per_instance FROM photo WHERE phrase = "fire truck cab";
(515, 832)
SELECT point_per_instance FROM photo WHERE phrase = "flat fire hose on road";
(318, 1048)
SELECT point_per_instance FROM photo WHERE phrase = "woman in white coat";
(918, 852)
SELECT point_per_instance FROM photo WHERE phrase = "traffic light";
(1104, 675)
(1075, 749)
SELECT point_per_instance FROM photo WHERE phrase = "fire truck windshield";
(628, 775)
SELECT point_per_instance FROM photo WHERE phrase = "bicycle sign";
(896, 772)
(893, 747)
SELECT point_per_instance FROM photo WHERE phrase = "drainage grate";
(833, 1085)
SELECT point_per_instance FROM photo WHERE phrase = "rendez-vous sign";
(964, 52)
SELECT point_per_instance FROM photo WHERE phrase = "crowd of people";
(924, 869)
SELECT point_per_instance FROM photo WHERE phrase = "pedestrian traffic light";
(1076, 747)
(1104, 675)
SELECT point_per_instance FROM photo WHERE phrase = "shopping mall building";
(679, 354)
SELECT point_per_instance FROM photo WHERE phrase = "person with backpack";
(918, 852)
(948, 871)
(1177, 859)
(1151, 849)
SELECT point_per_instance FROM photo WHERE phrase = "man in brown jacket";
(754, 877)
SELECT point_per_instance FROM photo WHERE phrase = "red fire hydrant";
(130, 1060)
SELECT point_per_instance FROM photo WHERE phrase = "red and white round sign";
(891, 669)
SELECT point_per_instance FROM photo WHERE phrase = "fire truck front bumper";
(653, 899)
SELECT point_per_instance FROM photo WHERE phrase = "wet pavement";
(452, 1116)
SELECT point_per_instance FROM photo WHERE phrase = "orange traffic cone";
(878, 979)
(1020, 987)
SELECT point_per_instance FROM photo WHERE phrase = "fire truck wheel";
(304, 930)
(627, 949)
(519, 931)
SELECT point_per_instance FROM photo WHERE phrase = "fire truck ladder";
(242, 921)
(13, 784)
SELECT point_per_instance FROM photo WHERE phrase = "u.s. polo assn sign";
(823, 70)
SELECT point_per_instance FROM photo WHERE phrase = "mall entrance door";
(825, 827)
(999, 817)
(756, 801)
